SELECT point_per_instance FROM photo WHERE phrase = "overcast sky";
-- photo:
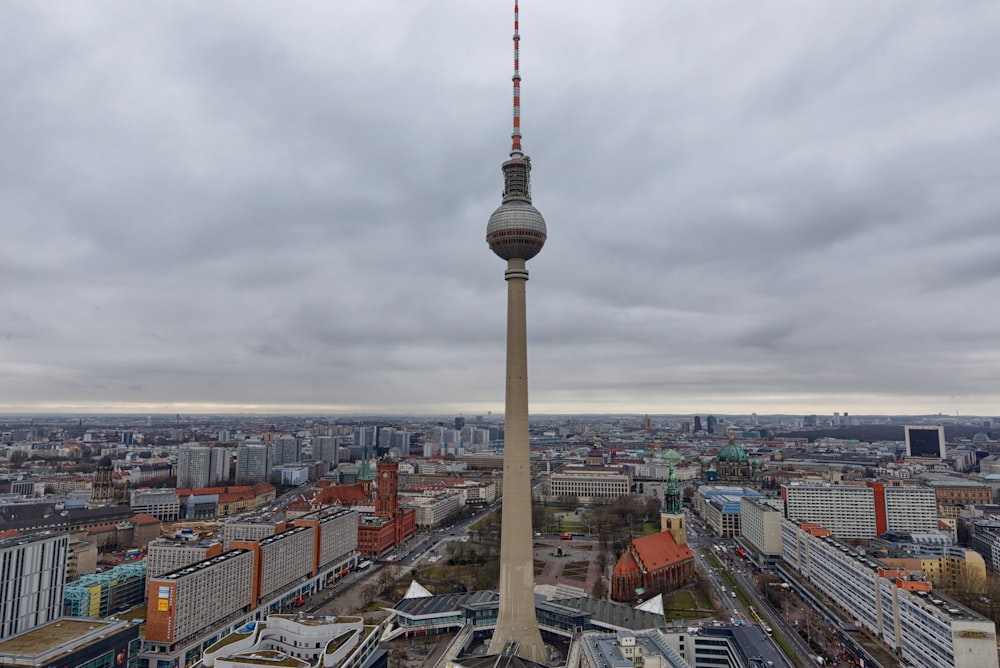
(766, 206)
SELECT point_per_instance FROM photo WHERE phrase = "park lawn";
(685, 604)
(703, 601)
(683, 600)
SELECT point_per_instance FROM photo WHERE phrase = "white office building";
(760, 524)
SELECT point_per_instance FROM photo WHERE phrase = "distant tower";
(102, 489)
(516, 232)
(387, 497)
(672, 515)
(365, 469)
(711, 421)
(697, 423)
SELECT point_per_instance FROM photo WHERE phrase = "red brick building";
(652, 564)
(390, 525)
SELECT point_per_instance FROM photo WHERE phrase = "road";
(347, 596)
(698, 538)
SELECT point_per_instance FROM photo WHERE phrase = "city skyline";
(771, 209)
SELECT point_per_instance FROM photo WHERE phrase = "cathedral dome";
(732, 454)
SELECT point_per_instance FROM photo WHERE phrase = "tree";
(368, 593)
(652, 508)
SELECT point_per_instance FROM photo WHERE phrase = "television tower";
(516, 233)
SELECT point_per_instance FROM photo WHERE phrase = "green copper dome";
(732, 454)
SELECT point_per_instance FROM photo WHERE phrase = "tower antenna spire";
(515, 144)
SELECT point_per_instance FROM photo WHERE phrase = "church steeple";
(672, 493)
(672, 514)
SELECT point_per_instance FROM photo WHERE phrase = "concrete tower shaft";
(516, 232)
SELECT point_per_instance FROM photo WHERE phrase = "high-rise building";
(401, 441)
(325, 450)
(287, 450)
(33, 577)
(364, 437)
(199, 467)
(252, 464)
(516, 232)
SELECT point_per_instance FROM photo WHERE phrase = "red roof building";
(651, 564)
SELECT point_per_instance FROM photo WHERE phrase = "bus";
(565, 536)
(364, 564)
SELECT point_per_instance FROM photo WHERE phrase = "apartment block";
(924, 628)
(281, 560)
(336, 534)
(760, 525)
(163, 556)
(248, 531)
(862, 512)
(196, 598)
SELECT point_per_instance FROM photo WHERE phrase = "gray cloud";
(767, 207)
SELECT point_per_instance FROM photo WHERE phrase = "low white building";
(587, 483)
(434, 508)
(299, 640)
(760, 524)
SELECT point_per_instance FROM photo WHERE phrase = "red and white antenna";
(515, 146)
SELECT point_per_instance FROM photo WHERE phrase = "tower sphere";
(516, 230)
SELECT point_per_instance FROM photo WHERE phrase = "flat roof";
(49, 636)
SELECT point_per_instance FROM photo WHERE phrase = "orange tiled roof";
(627, 565)
(145, 518)
(659, 550)
(345, 493)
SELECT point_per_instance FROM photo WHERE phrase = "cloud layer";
(767, 207)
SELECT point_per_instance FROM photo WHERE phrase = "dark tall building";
(459, 422)
(697, 423)
(102, 489)
(925, 442)
(711, 421)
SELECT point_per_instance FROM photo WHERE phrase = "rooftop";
(49, 636)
